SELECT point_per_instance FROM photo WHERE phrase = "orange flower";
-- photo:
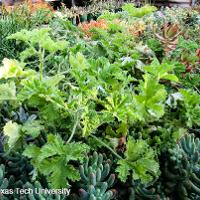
(86, 27)
(117, 21)
(137, 29)
(32, 7)
(39, 4)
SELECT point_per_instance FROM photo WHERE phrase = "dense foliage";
(109, 108)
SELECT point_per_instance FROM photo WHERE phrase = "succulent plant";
(21, 116)
(39, 195)
(4, 182)
(145, 193)
(169, 36)
(182, 169)
(8, 183)
(95, 179)
(17, 166)
(151, 191)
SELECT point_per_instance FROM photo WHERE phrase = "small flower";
(58, 14)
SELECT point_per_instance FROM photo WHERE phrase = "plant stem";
(105, 145)
(41, 60)
(197, 89)
(73, 130)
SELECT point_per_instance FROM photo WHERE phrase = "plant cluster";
(109, 109)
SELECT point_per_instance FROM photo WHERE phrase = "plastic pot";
(83, 18)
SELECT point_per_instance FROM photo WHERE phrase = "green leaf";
(7, 91)
(138, 12)
(161, 71)
(60, 174)
(27, 53)
(170, 77)
(32, 128)
(12, 130)
(78, 61)
(54, 146)
(91, 120)
(139, 160)
(14, 69)
(39, 92)
(150, 102)
(10, 69)
(22, 35)
(52, 160)
(123, 169)
(31, 151)
(40, 37)
(191, 109)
